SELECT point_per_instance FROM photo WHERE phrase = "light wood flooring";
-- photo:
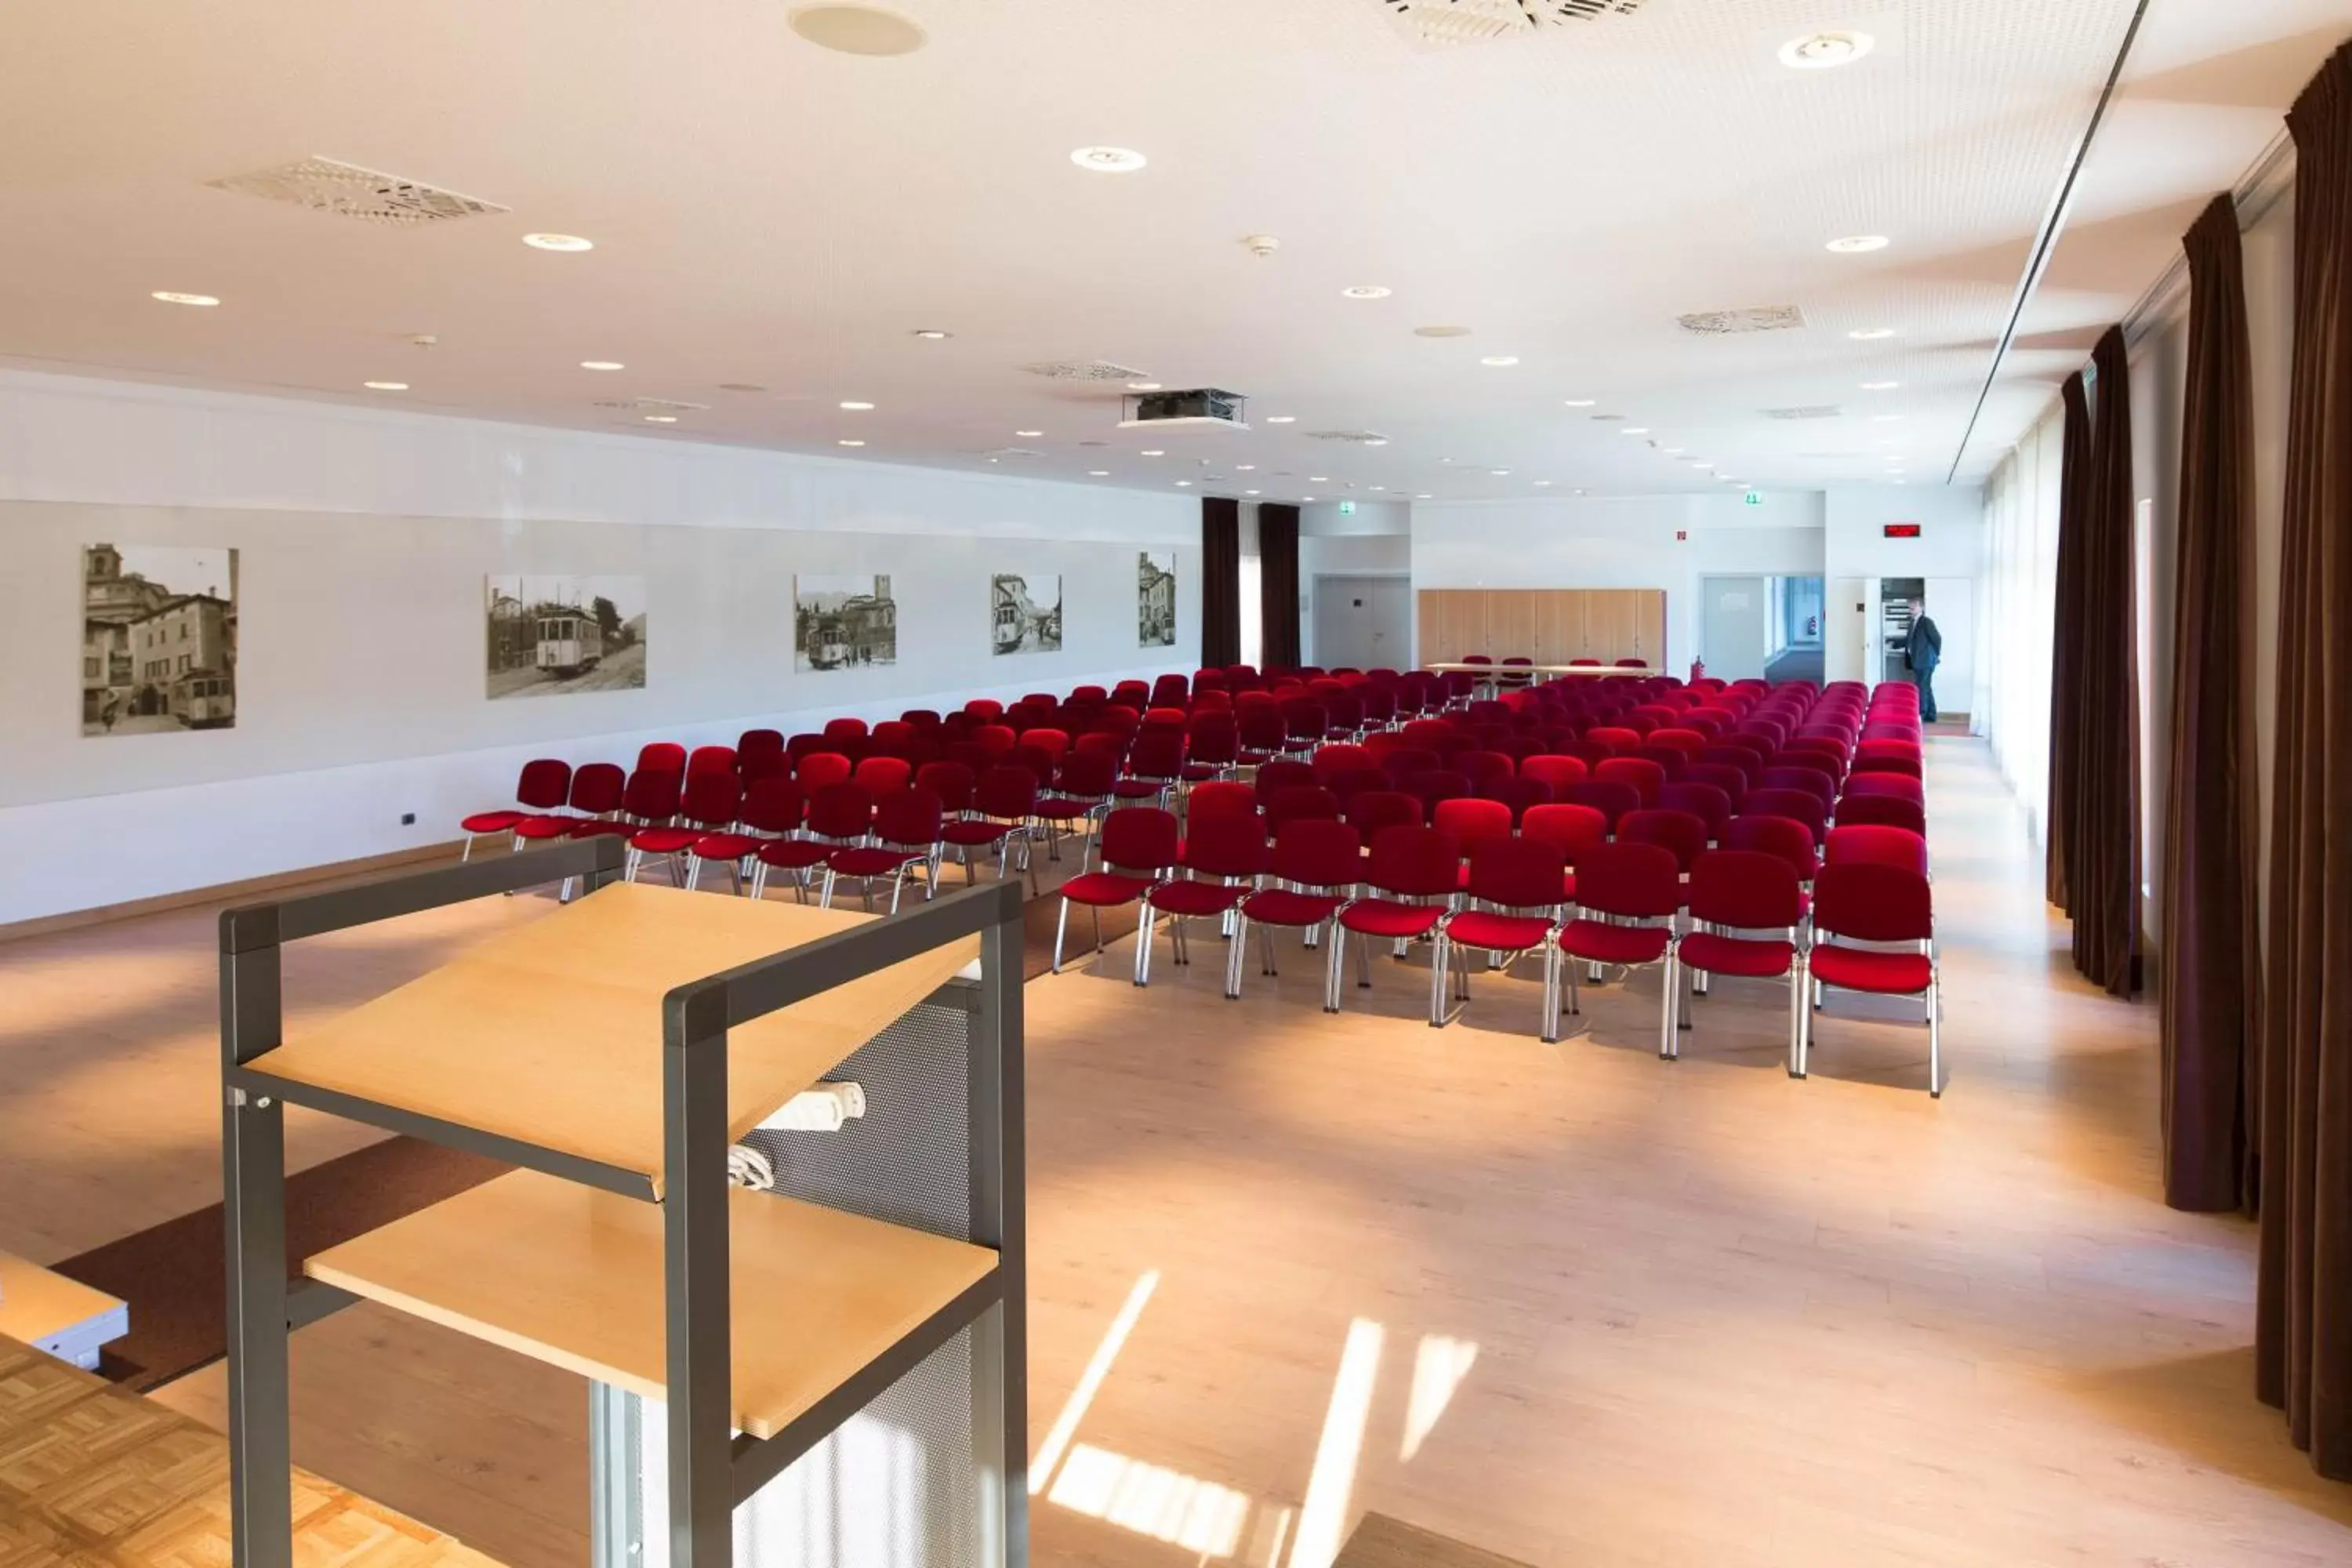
(1566, 1303)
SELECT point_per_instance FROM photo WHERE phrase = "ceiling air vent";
(325, 185)
(1084, 369)
(1355, 437)
(1724, 323)
(1819, 411)
(998, 454)
(1482, 21)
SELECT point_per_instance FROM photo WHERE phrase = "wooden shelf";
(573, 1277)
(57, 1315)
(551, 1033)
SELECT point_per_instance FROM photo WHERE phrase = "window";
(90, 669)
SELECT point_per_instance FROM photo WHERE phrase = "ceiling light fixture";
(661, 418)
(932, 334)
(1306, 498)
(1097, 473)
(1376, 486)
(1244, 468)
(1250, 492)
(855, 407)
(1498, 473)
(1183, 484)
(602, 364)
(1880, 385)
(1634, 430)
(856, 30)
(1282, 418)
(1143, 386)
(849, 443)
(1378, 441)
(1581, 402)
(1319, 479)
(1871, 334)
(1441, 331)
(1859, 243)
(1543, 484)
(1029, 434)
(1825, 51)
(1108, 159)
(1365, 291)
(171, 298)
(558, 242)
(1155, 452)
(386, 385)
(1500, 361)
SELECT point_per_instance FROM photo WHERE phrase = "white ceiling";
(769, 212)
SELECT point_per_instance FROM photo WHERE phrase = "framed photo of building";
(1027, 607)
(158, 638)
(843, 620)
(556, 636)
(1155, 598)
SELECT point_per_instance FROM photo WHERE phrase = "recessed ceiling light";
(1108, 159)
(1584, 492)
(1871, 334)
(1880, 385)
(1500, 361)
(1319, 479)
(1249, 492)
(170, 298)
(1634, 430)
(602, 364)
(856, 30)
(661, 418)
(1581, 402)
(1181, 484)
(1376, 486)
(1822, 51)
(1143, 386)
(1029, 434)
(1672, 451)
(1441, 331)
(1306, 498)
(1244, 468)
(855, 407)
(1378, 441)
(1155, 452)
(1365, 291)
(932, 334)
(1856, 243)
(849, 443)
(558, 242)
(1097, 473)
(1498, 473)
(1094, 443)
(1282, 418)
(1543, 484)
(1424, 497)
(386, 385)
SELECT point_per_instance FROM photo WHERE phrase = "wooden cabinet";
(1550, 626)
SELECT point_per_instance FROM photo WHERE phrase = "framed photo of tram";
(1155, 598)
(158, 638)
(560, 637)
(844, 620)
(1027, 611)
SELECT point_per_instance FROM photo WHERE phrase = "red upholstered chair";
(1612, 799)
(1004, 801)
(1223, 857)
(712, 801)
(1000, 739)
(1907, 767)
(1814, 781)
(1343, 757)
(908, 822)
(1519, 794)
(1139, 847)
(1480, 766)
(819, 770)
(843, 729)
(1412, 872)
(1827, 754)
(1733, 895)
(1223, 798)
(1871, 845)
(1434, 785)
(753, 744)
(1710, 804)
(1558, 772)
(545, 785)
(1402, 762)
(1900, 786)
(1627, 897)
(1155, 766)
(1747, 760)
(1874, 930)
(660, 757)
(1312, 871)
(883, 775)
(1776, 836)
(1678, 833)
(772, 813)
(1670, 760)
(1796, 804)
(1282, 774)
(1571, 829)
(951, 782)
(1515, 889)
(1262, 734)
(1171, 691)
(1293, 802)
(1646, 777)
(1213, 747)
(1081, 792)
(1375, 809)
(1871, 811)
(1614, 739)
(1349, 783)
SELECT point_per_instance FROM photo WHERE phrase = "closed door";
(1733, 638)
(1362, 623)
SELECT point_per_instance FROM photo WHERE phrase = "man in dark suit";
(1922, 651)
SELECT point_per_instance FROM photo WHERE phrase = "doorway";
(1362, 623)
(1734, 627)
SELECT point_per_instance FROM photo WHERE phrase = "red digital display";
(1902, 530)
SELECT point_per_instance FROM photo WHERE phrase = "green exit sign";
(1346, 509)
(1753, 497)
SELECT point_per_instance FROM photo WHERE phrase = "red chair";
(1343, 757)
(907, 832)
(1742, 891)
(1569, 828)
(545, 785)
(821, 770)
(1223, 798)
(1679, 833)
(1261, 734)
(1646, 777)
(772, 811)
(1613, 738)
(1521, 794)
(1139, 846)
(1082, 792)
(951, 782)
(1517, 907)
(1857, 810)
(1000, 739)
(1796, 804)
(1627, 897)
(1372, 810)
(1874, 932)
(1154, 768)
(1297, 802)
(710, 759)
(1479, 767)
(647, 799)
(660, 757)
(1558, 772)
(1224, 857)
(1282, 774)
(1776, 836)
(1710, 804)
(1814, 781)
(1003, 802)
(1312, 871)
(884, 775)
(845, 729)
(1896, 786)
(1871, 845)
(1612, 800)
(1409, 868)
(712, 801)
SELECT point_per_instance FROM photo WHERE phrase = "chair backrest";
(1317, 853)
(841, 811)
(1225, 847)
(1281, 775)
(1796, 804)
(1613, 738)
(1898, 786)
(545, 784)
(1468, 820)
(652, 794)
(1480, 766)
(1883, 811)
(598, 787)
(1906, 767)
(1519, 794)
(998, 738)
(1611, 798)
(1402, 761)
(1088, 776)
(1710, 803)
(1745, 887)
(1678, 832)
(1814, 781)
(1637, 881)
(1158, 755)
(774, 804)
(1222, 798)
(1791, 841)
(758, 743)
(1054, 743)
(712, 797)
(1851, 844)
(1434, 784)
(1414, 862)
(1517, 873)
(1558, 772)
(1295, 801)
(821, 769)
(1348, 782)
(951, 782)
(1868, 903)
(985, 708)
(1571, 829)
(1006, 792)
(1339, 758)
(1140, 839)
(907, 817)
(661, 757)
(1375, 809)
(1646, 777)
(883, 775)
(843, 729)
(893, 733)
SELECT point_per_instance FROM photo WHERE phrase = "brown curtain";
(2211, 953)
(1221, 582)
(2303, 1337)
(1277, 550)
(2066, 639)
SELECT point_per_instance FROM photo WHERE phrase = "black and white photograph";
(843, 620)
(1155, 598)
(158, 638)
(553, 637)
(1028, 611)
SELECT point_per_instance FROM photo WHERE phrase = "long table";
(1487, 673)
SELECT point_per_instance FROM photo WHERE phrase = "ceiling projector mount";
(1206, 405)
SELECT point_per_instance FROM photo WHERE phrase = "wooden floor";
(1570, 1304)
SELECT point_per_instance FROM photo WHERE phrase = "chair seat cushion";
(1257, 759)
(493, 821)
(1598, 941)
(603, 827)
(793, 854)
(1201, 772)
(1102, 890)
(1856, 969)
(666, 840)
(1139, 789)
(546, 826)
(1386, 917)
(1189, 898)
(725, 845)
(1736, 955)
(1497, 932)
(1282, 906)
(972, 830)
(870, 860)
(1062, 808)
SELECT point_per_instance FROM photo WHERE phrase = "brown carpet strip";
(173, 1274)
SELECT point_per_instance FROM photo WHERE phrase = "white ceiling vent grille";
(325, 185)
(1724, 323)
(1084, 369)
(652, 405)
(1816, 411)
(1482, 21)
(1354, 437)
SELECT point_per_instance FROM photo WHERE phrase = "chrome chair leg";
(1061, 930)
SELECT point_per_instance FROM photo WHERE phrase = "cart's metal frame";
(711, 1469)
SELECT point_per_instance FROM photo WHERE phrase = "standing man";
(1922, 651)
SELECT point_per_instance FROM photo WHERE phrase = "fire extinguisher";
(1699, 671)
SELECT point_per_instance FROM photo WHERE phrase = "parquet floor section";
(1569, 1304)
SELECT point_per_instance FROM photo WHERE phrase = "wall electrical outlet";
(408, 819)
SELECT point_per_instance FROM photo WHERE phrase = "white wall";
(1951, 545)
(1665, 541)
(365, 535)
(1374, 541)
